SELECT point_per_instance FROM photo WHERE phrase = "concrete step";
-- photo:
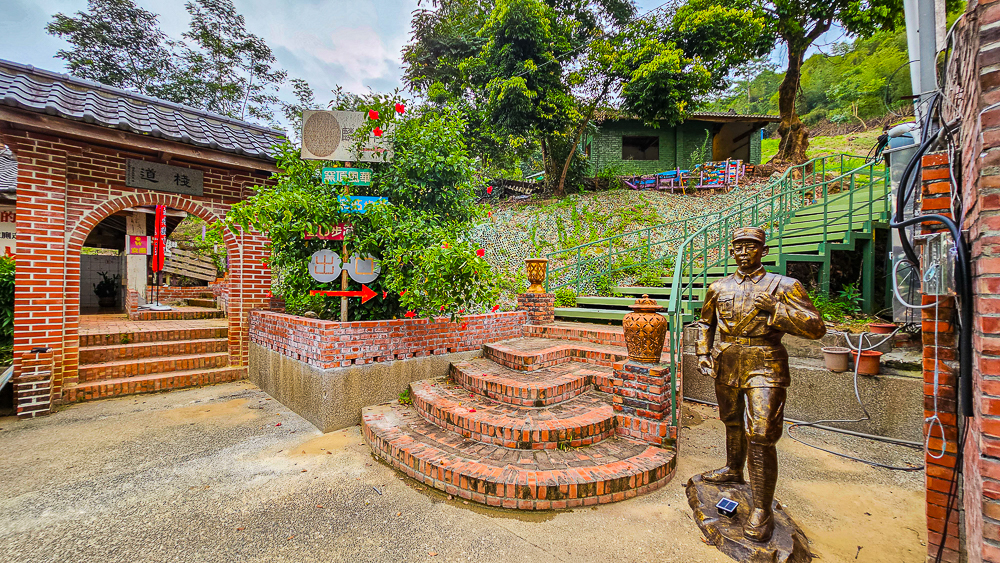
(537, 388)
(116, 352)
(609, 471)
(151, 383)
(144, 366)
(581, 421)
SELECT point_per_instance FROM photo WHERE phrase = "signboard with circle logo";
(363, 269)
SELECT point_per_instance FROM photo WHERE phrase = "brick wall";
(177, 293)
(65, 188)
(328, 344)
(33, 386)
(972, 87)
(643, 403)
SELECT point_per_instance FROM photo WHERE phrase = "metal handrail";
(712, 237)
(679, 230)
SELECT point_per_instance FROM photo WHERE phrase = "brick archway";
(208, 210)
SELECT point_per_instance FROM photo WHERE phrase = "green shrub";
(7, 267)
(565, 297)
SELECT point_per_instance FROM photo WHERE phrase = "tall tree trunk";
(561, 188)
(794, 134)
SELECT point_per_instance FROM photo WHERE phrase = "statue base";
(788, 543)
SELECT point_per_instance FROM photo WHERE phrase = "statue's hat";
(755, 234)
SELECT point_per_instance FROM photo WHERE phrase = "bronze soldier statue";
(752, 309)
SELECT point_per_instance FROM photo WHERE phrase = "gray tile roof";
(42, 91)
(8, 171)
(601, 116)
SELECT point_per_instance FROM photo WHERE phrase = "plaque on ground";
(788, 544)
(163, 177)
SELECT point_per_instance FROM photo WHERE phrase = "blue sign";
(358, 204)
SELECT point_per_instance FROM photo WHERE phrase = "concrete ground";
(223, 473)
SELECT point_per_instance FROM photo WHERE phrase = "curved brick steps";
(536, 388)
(609, 471)
(532, 353)
(581, 421)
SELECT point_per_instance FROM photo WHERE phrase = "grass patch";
(852, 143)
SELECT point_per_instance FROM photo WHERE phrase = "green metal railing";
(654, 245)
(707, 247)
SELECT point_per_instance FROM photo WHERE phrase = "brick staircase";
(534, 424)
(142, 357)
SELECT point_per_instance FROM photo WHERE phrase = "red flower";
(402, 292)
(372, 114)
(460, 311)
(481, 252)
(472, 410)
(489, 214)
(384, 293)
(278, 424)
(442, 307)
(489, 189)
(410, 314)
(400, 108)
(464, 325)
(377, 131)
(495, 307)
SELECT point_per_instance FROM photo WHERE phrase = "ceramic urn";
(536, 273)
(645, 331)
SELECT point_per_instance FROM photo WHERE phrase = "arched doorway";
(136, 351)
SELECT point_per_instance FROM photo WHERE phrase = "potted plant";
(107, 289)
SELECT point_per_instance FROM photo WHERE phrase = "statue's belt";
(749, 340)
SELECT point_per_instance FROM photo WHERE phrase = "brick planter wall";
(132, 304)
(642, 402)
(33, 387)
(328, 344)
(539, 306)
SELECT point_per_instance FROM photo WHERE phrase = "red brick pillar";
(642, 401)
(33, 387)
(541, 307)
(940, 363)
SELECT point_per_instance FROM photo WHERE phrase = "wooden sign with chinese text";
(163, 177)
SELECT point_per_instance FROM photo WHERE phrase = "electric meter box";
(938, 264)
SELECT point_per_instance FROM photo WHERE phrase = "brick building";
(642, 149)
(963, 509)
(81, 149)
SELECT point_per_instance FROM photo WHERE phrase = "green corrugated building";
(641, 149)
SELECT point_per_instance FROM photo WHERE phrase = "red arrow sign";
(365, 294)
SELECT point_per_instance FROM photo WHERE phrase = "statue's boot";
(760, 525)
(763, 479)
(736, 455)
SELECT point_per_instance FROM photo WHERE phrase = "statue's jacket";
(749, 352)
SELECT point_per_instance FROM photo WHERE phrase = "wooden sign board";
(163, 177)
(334, 135)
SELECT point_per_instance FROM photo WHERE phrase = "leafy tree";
(428, 265)
(114, 42)
(225, 68)
(218, 65)
(795, 23)
(304, 99)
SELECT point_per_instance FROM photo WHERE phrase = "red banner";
(159, 237)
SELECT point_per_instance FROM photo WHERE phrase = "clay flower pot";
(645, 331)
(836, 358)
(536, 273)
(869, 364)
(881, 328)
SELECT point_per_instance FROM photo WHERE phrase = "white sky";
(353, 43)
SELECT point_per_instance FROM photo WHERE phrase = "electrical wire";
(857, 395)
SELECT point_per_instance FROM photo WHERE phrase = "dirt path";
(209, 475)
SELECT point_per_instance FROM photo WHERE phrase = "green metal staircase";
(827, 204)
